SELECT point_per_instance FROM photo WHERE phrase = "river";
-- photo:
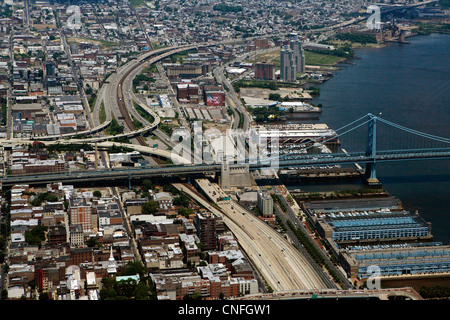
(407, 84)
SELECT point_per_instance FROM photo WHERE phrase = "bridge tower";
(234, 175)
(371, 152)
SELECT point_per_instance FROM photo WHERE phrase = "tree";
(185, 211)
(97, 194)
(150, 207)
(108, 294)
(126, 288)
(181, 200)
(36, 235)
(133, 268)
(147, 184)
(92, 242)
(142, 291)
(275, 97)
(193, 296)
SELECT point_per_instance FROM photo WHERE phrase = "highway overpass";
(185, 168)
(365, 294)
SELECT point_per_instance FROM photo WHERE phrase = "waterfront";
(409, 85)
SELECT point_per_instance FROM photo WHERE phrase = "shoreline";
(357, 58)
(334, 66)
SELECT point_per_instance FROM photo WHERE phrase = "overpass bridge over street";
(375, 139)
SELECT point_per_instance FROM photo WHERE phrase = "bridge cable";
(318, 139)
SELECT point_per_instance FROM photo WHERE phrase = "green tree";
(147, 184)
(275, 97)
(97, 194)
(126, 288)
(36, 235)
(182, 200)
(142, 291)
(108, 294)
(150, 207)
(92, 242)
(133, 268)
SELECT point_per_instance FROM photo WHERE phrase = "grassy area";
(312, 58)
(91, 101)
(424, 28)
(355, 44)
(103, 43)
(4, 112)
(137, 3)
(137, 124)
(143, 113)
(102, 114)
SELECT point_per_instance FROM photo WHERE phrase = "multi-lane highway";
(279, 263)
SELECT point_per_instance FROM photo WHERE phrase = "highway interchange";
(279, 263)
(286, 269)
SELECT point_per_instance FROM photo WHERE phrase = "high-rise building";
(287, 65)
(299, 55)
(50, 69)
(265, 71)
(262, 43)
(80, 212)
(205, 224)
(265, 204)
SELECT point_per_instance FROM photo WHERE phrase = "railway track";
(123, 108)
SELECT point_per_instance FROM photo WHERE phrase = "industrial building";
(262, 43)
(295, 133)
(185, 71)
(213, 96)
(370, 235)
(420, 258)
(370, 227)
(188, 92)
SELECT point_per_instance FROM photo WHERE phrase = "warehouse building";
(420, 258)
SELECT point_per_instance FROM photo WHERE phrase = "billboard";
(215, 99)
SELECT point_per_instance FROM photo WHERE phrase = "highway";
(291, 214)
(280, 264)
(233, 100)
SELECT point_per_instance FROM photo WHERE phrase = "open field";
(312, 58)
(103, 43)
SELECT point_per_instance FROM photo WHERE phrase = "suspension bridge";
(382, 141)
(368, 140)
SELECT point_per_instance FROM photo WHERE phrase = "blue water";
(408, 84)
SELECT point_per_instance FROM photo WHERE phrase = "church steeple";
(112, 266)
